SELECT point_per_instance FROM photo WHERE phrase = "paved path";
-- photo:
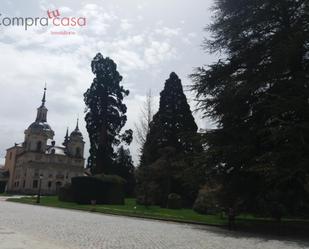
(34, 227)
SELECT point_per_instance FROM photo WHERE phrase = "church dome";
(76, 132)
(39, 126)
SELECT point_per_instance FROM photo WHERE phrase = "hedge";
(102, 189)
(174, 201)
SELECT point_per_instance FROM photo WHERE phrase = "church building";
(39, 162)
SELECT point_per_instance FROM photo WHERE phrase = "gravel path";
(34, 227)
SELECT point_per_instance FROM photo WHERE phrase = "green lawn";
(245, 222)
(131, 209)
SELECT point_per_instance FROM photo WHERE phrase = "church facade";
(39, 163)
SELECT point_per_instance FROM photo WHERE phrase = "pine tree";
(105, 115)
(170, 136)
(258, 95)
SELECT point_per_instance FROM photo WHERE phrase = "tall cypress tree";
(172, 123)
(171, 134)
(106, 115)
(258, 95)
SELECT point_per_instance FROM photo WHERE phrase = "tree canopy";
(169, 143)
(124, 168)
(172, 123)
(105, 114)
(258, 95)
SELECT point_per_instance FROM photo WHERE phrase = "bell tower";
(75, 144)
(39, 131)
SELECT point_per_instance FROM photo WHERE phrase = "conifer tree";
(172, 123)
(105, 115)
(124, 168)
(171, 135)
(258, 95)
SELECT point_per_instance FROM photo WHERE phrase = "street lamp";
(39, 190)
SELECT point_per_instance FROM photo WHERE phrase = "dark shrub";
(66, 193)
(87, 188)
(174, 201)
(111, 179)
(274, 204)
(147, 194)
(114, 188)
(101, 188)
(144, 200)
(207, 201)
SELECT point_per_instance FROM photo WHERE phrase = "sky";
(148, 39)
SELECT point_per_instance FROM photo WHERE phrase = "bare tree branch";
(142, 126)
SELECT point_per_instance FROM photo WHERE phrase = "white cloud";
(188, 38)
(158, 51)
(125, 24)
(140, 6)
(168, 31)
(65, 10)
(46, 5)
(129, 60)
(129, 41)
(99, 19)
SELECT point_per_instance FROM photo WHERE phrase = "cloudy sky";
(147, 39)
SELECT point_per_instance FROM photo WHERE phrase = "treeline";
(257, 159)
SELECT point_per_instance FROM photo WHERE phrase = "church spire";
(44, 96)
(42, 110)
(76, 128)
(76, 132)
(66, 138)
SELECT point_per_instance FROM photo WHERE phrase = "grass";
(245, 222)
(130, 209)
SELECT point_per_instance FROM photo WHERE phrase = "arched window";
(39, 146)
